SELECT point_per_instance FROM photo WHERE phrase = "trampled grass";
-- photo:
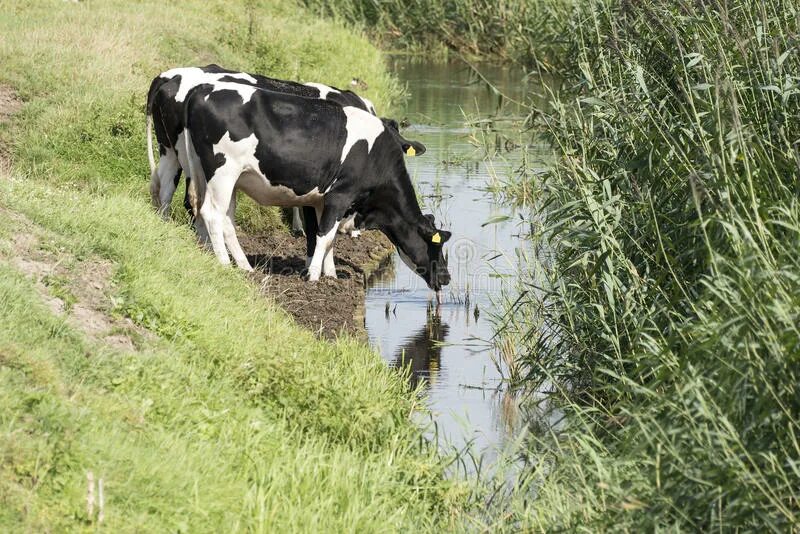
(222, 415)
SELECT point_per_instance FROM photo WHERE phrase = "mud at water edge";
(327, 307)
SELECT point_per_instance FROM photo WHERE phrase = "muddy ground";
(329, 306)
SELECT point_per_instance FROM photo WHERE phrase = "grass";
(508, 30)
(91, 108)
(668, 327)
(222, 414)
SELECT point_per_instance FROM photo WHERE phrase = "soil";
(327, 307)
(78, 290)
(9, 104)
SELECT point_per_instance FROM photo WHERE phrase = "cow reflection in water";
(422, 352)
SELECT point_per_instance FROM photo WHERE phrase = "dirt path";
(326, 307)
(9, 104)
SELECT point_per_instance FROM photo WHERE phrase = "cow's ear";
(432, 235)
(412, 148)
(391, 123)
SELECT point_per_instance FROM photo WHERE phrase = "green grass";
(523, 31)
(83, 69)
(668, 328)
(224, 416)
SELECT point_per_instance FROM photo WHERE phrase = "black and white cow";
(165, 111)
(287, 150)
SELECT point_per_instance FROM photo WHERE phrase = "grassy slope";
(229, 417)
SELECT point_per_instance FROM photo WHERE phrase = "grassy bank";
(669, 327)
(200, 405)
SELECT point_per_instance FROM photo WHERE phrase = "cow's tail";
(154, 86)
(150, 157)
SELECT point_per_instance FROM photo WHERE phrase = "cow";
(164, 109)
(283, 149)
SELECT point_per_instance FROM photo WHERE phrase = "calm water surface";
(448, 353)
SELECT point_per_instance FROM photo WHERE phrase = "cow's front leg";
(328, 266)
(313, 218)
(311, 222)
(326, 235)
(297, 222)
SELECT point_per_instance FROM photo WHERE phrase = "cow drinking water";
(287, 150)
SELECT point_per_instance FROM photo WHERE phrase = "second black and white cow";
(287, 150)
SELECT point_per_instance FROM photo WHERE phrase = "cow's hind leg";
(169, 172)
(214, 212)
(311, 218)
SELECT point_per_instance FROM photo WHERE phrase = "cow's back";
(298, 141)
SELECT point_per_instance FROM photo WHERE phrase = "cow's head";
(420, 247)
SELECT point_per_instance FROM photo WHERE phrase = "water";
(448, 352)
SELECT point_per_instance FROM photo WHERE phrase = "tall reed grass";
(672, 310)
(508, 29)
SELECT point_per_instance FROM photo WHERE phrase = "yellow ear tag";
(411, 151)
(436, 238)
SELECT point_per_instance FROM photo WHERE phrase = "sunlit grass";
(225, 416)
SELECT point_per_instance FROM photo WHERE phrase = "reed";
(509, 29)
(668, 326)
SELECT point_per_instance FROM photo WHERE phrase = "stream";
(449, 353)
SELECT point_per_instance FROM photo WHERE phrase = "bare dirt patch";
(80, 290)
(9, 104)
(329, 306)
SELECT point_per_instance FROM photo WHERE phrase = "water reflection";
(448, 349)
(423, 351)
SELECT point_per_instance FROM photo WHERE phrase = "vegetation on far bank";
(201, 405)
(523, 31)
